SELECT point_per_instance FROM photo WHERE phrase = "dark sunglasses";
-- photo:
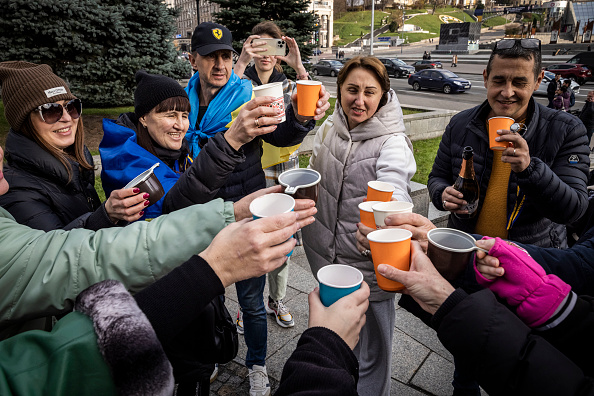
(527, 43)
(52, 112)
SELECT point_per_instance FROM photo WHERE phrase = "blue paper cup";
(337, 281)
(270, 205)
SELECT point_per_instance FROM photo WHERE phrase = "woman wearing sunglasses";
(49, 168)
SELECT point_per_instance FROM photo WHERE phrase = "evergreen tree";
(95, 45)
(240, 16)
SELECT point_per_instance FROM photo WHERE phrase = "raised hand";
(126, 204)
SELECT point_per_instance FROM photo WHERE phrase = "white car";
(548, 77)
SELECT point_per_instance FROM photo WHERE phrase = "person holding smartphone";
(267, 69)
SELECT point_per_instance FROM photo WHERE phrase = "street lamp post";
(372, 23)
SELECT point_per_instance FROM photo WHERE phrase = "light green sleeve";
(42, 273)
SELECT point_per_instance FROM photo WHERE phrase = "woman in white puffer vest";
(363, 140)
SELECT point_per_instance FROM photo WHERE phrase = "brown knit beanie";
(27, 85)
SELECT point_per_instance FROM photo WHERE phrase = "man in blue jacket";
(225, 136)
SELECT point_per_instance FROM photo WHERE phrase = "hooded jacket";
(43, 272)
(42, 197)
(377, 149)
(549, 193)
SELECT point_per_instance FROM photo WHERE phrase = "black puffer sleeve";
(209, 172)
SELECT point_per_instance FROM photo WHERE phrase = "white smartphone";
(273, 47)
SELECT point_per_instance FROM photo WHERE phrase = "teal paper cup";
(270, 205)
(337, 281)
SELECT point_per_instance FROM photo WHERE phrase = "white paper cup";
(384, 209)
(271, 205)
(272, 89)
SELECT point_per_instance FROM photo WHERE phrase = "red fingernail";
(136, 190)
(141, 213)
(145, 196)
(146, 203)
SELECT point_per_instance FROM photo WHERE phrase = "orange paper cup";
(495, 124)
(390, 246)
(366, 213)
(379, 191)
(308, 94)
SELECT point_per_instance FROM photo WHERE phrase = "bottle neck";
(467, 169)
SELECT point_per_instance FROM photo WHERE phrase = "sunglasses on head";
(52, 112)
(527, 43)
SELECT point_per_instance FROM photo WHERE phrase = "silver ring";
(257, 122)
(444, 202)
(366, 252)
(514, 151)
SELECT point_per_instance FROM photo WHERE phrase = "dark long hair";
(75, 151)
(174, 103)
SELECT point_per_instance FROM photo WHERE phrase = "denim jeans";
(250, 296)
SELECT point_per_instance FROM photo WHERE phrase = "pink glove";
(525, 284)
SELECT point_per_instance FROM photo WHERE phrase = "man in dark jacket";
(225, 137)
(529, 190)
(552, 88)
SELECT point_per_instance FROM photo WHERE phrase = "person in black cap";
(227, 128)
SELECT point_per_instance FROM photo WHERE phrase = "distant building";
(324, 9)
(207, 10)
(185, 22)
(460, 38)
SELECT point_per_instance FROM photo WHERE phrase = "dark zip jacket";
(40, 195)
(553, 185)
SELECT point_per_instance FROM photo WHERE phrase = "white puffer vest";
(347, 161)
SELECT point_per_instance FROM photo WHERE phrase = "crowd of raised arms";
(120, 296)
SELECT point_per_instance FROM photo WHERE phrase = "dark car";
(396, 67)
(442, 80)
(426, 64)
(577, 72)
(344, 60)
(327, 67)
(584, 58)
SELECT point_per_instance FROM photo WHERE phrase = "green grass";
(424, 152)
(354, 24)
(495, 21)
(110, 112)
(99, 189)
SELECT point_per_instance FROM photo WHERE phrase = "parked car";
(584, 58)
(396, 67)
(327, 67)
(442, 80)
(426, 64)
(548, 77)
(577, 72)
(344, 60)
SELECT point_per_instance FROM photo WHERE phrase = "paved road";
(462, 101)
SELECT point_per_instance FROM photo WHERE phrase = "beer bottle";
(467, 184)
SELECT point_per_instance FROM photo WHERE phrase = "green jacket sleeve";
(64, 362)
(42, 273)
